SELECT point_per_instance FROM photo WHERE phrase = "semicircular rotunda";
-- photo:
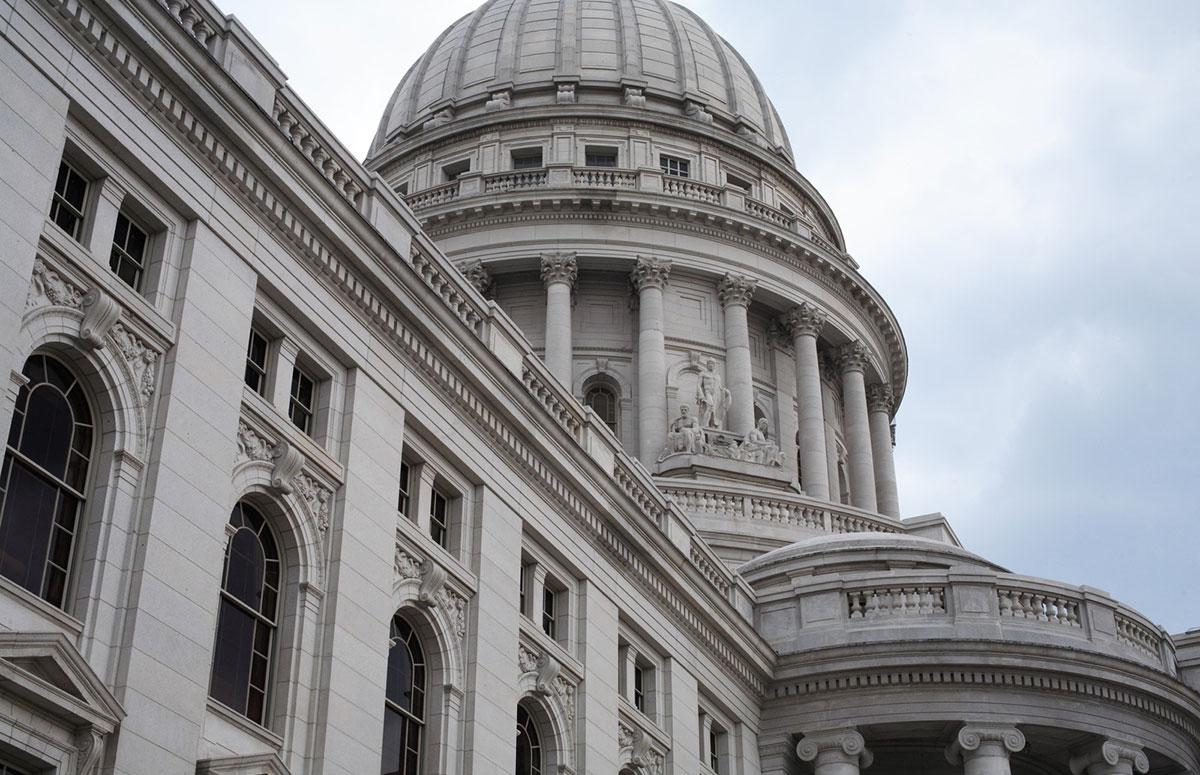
(613, 175)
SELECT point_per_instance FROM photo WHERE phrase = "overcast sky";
(1019, 182)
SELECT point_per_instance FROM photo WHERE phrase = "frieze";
(326, 261)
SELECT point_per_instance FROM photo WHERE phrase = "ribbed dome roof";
(530, 47)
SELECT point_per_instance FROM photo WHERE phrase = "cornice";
(344, 280)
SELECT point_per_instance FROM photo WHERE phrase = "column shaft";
(858, 429)
(649, 278)
(806, 322)
(558, 273)
(880, 401)
(735, 293)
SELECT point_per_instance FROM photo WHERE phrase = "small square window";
(600, 157)
(404, 501)
(452, 171)
(128, 258)
(70, 193)
(671, 165)
(527, 159)
(550, 612)
(439, 525)
(256, 363)
(302, 403)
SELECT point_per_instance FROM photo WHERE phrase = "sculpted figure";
(711, 397)
(756, 448)
(686, 435)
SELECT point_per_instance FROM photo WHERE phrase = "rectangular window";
(527, 159)
(549, 612)
(741, 183)
(404, 501)
(639, 688)
(714, 760)
(524, 603)
(128, 258)
(70, 192)
(671, 165)
(438, 518)
(600, 157)
(402, 188)
(256, 363)
(302, 402)
(452, 171)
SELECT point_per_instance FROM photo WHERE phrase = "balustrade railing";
(512, 181)
(433, 196)
(897, 601)
(768, 213)
(591, 177)
(1030, 604)
(1133, 634)
(690, 189)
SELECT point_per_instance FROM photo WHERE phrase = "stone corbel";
(288, 462)
(548, 669)
(1109, 756)
(433, 578)
(100, 311)
(89, 744)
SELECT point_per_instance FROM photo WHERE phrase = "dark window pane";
(231, 657)
(48, 430)
(244, 577)
(30, 505)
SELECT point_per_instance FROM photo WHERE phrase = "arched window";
(404, 704)
(529, 744)
(44, 478)
(603, 401)
(247, 620)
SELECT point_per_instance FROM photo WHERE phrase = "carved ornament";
(881, 398)
(650, 272)
(736, 290)
(406, 566)
(89, 745)
(843, 742)
(983, 740)
(100, 312)
(1111, 751)
(566, 93)
(500, 100)
(559, 268)
(695, 111)
(804, 320)
(48, 284)
(288, 462)
(852, 356)
(443, 116)
(634, 97)
(477, 275)
(548, 669)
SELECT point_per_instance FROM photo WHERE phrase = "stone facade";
(475, 465)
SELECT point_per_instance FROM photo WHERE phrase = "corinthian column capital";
(477, 274)
(975, 740)
(881, 398)
(650, 272)
(852, 356)
(1109, 756)
(559, 268)
(736, 290)
(804, 320)
(841, 744)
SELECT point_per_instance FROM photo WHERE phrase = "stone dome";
(604, 52)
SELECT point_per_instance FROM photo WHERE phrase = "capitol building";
(553, 438)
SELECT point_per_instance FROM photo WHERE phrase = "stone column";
(835, 752)
(852, 358)
(984, 750)
(558, 273)
(649, 278)
(735, 292)
(805, 322)
(880, 402)
(1109, 756)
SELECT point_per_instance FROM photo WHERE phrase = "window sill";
(69, 624)
(225, 713)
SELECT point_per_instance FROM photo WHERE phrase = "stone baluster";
(984, 749)
(735, 292)
(558, 273)
(852, 358)
(649, 278)
(835, 752)
(1109, 756)
(805, 323)
(880, 402)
